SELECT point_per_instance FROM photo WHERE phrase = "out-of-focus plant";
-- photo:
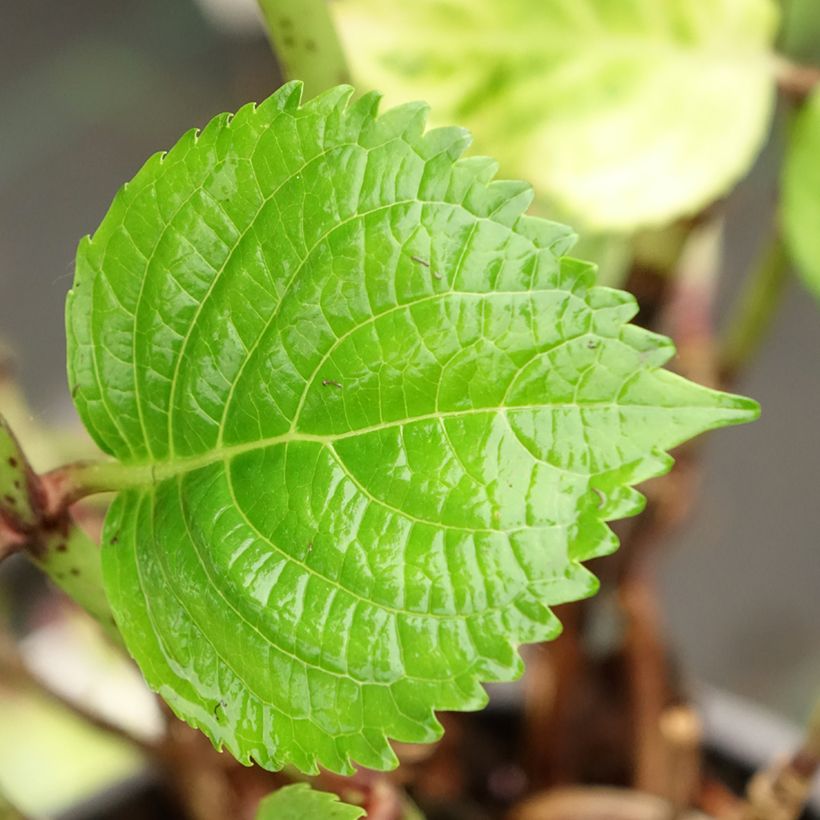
(801, 192)
(624, 113)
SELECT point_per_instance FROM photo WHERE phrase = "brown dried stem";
(780, 792)
(554, 679)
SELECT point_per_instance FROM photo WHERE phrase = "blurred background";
(89, 89)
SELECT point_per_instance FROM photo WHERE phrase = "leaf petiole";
(71, 482)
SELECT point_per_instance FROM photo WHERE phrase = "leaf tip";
(745, 410)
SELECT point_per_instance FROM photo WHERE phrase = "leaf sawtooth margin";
(371, 419)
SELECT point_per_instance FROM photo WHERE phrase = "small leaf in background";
(301, 802)
(623, 113)
(370, 422)
(801, 193)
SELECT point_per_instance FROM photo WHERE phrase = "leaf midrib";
(120, 475)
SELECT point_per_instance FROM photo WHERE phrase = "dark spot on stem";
(10, 499)
(12, 461)
(310, 45)
(288, 41)
(75, 572)
(62, 547)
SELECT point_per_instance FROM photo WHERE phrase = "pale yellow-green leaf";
(624, 113)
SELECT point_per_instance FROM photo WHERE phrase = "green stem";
(35, 521)
(79, 479)
(305, 42)
(72, 561)
(755, 308)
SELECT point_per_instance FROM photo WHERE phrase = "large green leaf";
(625, 113)
(301, 802)
(801, 193)
(369, 421)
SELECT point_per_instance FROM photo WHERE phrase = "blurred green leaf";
(301, 802)
(623, 113)
(7, 811)
(800, 37)
(801, 193)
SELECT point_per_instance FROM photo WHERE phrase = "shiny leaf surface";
(623, 113)
(301, 802)
(370, 420)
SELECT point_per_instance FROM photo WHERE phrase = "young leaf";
(369, 423)
(624, 113)
(801, 193)
(301, 802)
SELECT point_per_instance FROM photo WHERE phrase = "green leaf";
(612, 254)
(801, 193)
(301, 802)
(369, 423)
(624, 113)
